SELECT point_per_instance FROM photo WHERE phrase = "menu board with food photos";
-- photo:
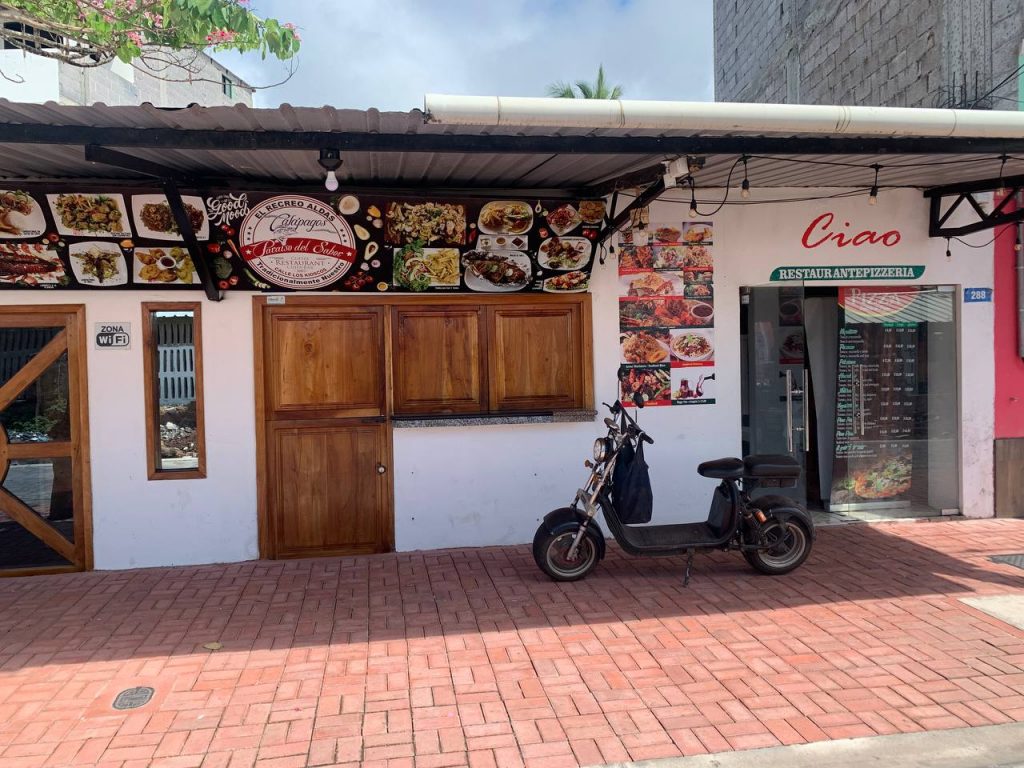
(103, 237)
(667, 313)
(878, 419)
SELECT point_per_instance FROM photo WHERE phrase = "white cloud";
(388, 53)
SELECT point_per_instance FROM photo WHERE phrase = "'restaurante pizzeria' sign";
(297, 242)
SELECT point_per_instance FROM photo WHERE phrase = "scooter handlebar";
(616, 410)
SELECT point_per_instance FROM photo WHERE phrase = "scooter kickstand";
(689, 564)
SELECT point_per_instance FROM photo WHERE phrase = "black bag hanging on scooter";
(631, 486)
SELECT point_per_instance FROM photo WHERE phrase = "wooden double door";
(324, 438)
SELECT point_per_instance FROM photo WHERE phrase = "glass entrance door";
(859, 385)
(774, 372)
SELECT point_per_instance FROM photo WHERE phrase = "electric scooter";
(773, 533)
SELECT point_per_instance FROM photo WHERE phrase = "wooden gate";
(45, 520)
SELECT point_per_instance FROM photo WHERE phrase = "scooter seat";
(771, 465)
(721, 469)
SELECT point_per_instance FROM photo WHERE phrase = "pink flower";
(220, 36)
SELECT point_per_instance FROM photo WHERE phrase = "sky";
(389, 53)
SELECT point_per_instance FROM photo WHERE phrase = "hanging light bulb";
(693, 200)
(745, 186)
(1001, 190)
(330, 161)
(873, 195)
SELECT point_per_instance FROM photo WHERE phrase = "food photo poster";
(107, 238)
(667, 313)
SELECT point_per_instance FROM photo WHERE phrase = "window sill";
(551, 417)
(178, 474)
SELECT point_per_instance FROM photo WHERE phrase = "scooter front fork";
(577, 540)
(689, 564)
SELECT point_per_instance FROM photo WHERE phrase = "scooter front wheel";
(551, 552)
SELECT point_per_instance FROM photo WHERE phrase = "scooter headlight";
(601, 449)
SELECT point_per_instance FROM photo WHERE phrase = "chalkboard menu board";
(881, 349)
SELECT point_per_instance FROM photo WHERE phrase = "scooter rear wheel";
(789, 545)
(551, 552)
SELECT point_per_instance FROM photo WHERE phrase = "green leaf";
(597, 90)
(186, 23)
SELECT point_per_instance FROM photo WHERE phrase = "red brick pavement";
(470, 657)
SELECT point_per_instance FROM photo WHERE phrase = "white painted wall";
(753, 240)
(138, 522)
(492, 484)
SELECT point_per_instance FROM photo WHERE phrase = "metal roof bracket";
(618, 219)
(168, 179)
(95, 153)
(188, 234)
(938, 214)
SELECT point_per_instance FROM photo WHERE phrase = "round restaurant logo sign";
(297, 242)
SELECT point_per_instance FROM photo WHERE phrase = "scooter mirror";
(638, 400)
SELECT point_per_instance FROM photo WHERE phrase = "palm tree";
(596, 90)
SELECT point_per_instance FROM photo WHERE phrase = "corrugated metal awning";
(400, 149)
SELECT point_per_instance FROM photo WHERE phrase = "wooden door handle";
(381, 469)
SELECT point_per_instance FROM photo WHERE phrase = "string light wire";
(996, 236)
(693, 203)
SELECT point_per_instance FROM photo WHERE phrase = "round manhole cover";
(133, 698)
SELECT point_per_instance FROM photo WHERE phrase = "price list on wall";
(875, 401)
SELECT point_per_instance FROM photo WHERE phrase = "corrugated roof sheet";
(433, 169)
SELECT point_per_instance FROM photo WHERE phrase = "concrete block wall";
(120, 84)
(1007, 34)
(904, 53)
(751, 42)
(204, 88)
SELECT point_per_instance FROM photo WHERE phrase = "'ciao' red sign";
(820, 232)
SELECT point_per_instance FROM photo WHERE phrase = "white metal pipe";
(721, 117)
